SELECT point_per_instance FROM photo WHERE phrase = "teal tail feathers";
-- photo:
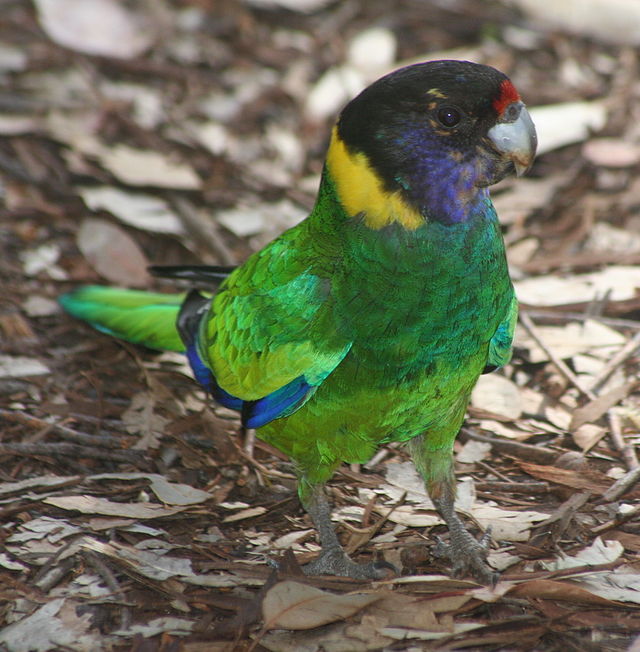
(147, 318)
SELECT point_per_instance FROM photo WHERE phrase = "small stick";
(560, 365)
(203, 231)
(94, 560)
(249, 441)
(65, 432)
(627, 451)
(555, 317)
(73, 452)
(526, 488)
(625, 352)
(515, 448)
(616, 522)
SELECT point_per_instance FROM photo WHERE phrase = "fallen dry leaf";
(140, 210)
(556, 590)
(98, 27)
(138, 167)
(292, 605)
(593, 410)
(112, 253)
(93, 505)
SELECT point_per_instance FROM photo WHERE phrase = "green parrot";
(371, 320)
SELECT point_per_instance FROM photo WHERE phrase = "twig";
(371, 532)
(627, 451)
(554, 317)
(493, 471)
(249, 441)
(560, 365)
(66, 433)
(526, 488)
(74, 452)
(621, 486)
(625, 352)
(93, 559)
(203, 231)
(616, 522)
(515, 448)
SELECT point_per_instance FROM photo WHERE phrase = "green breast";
(420, 308)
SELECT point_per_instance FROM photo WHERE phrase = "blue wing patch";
(257, 413)
(283, 401)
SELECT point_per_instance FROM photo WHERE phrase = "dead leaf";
(140, 210)
(590, 480)
(138, 167)
(566, 341)
(244, 514)
(599, 552)
(416, 611)
(473, 451)
(339, 637)
(497, 394)
(555, 590)
(166, 625)
(292, 605)
(611, 152)
(93, 505)
(141, 418)
(21, 367)
(98, 27)
(570, 122)
(614, 21)
(170, 493)
(112, 253)
(52, 626)
(621, 281)
(593, 410)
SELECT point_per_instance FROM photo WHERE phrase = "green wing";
(271, 323)
(500, 344)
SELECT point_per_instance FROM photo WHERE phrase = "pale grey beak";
(516, 139)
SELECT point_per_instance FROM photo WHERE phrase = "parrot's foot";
(334, 561)
(468, 556)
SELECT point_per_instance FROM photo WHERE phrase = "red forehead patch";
(508, 94)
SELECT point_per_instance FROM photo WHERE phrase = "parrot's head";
(425, 141)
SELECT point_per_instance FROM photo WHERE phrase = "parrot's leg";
(333, 560)
(468, 556)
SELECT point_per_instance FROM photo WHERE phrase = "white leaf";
(98, 27)
(148, 168)
(92, 505)
(497, 394)
(551, 290)
(473, 451)
(599, 552)
(142, 211)
(613, 21)
(558, 125)
(20, 366)
(55, 625)
(373, 50)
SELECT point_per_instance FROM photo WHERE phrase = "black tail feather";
(197, 273)
(191, 312)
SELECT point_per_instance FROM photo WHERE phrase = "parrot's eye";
(448, 116)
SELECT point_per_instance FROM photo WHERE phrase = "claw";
(334, 561)
(468, 556)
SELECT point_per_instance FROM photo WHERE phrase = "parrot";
(371, 320)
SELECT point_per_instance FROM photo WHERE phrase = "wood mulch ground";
(134, 515)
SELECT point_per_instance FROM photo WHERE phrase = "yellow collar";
(362, 193)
